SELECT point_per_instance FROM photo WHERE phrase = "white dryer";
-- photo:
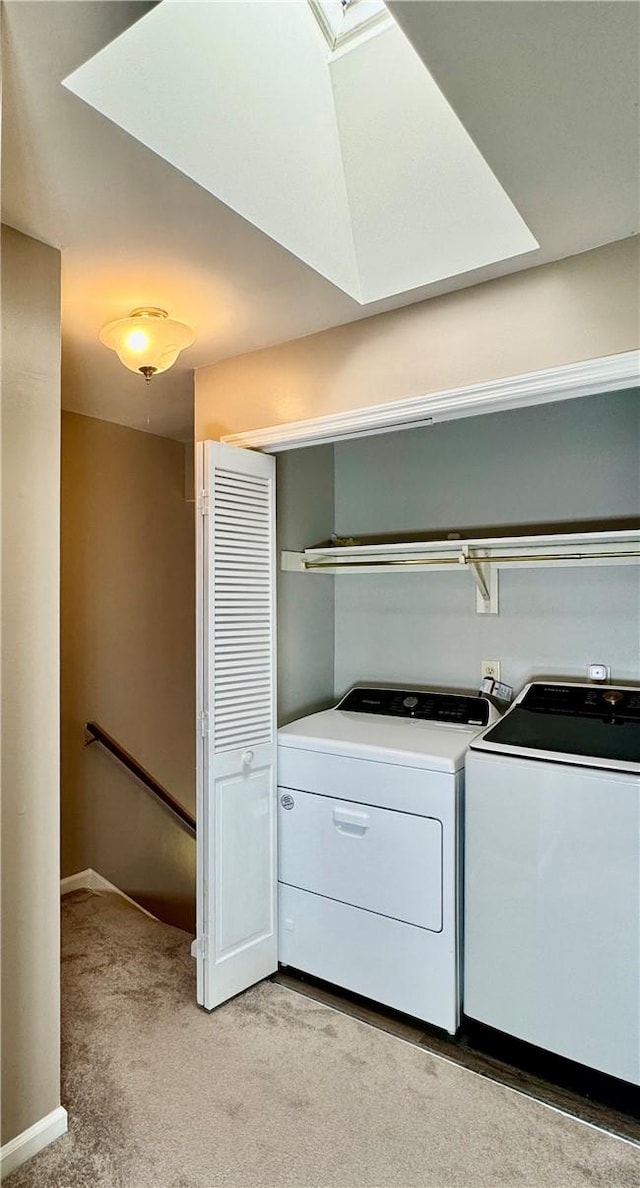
(552, 874)
(369, 845)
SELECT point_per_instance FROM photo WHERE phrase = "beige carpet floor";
(273, 1089)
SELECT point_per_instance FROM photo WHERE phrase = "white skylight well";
(354, 161)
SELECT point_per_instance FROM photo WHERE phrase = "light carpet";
(273, 1089)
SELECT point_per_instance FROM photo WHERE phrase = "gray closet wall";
(574, 460)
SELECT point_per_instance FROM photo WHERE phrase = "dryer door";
(373, 858)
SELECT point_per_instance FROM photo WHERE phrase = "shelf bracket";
(292, 562)
(485, 577)
(489, 577)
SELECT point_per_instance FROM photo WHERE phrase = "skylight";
(345, 22)
(351, 158)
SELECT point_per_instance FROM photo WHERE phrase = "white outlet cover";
(491, 668)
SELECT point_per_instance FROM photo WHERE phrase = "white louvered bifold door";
(237, 877)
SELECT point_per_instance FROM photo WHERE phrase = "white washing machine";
(552, 874)
(369, 845)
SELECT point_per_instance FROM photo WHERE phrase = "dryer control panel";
(456, 709)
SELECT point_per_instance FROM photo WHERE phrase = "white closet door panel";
(244, 914)
(237, 875)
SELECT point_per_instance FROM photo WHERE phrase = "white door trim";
(607, 374)
(32, 1140)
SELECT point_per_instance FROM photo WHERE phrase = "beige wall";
(128, 659)
(30, 681)
(579, 308)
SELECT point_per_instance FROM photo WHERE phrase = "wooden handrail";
(99, 735)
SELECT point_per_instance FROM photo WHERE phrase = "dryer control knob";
(410, 702)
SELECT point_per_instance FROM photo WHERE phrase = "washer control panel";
(583, 701)
(425, 705)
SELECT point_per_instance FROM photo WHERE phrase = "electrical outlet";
(490, 668)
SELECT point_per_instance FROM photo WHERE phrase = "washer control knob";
(612, 696)
(410, 702)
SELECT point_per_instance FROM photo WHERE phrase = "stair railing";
(98, 734)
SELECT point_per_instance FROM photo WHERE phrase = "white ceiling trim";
(609, 373)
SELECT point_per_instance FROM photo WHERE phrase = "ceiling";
(548, 91)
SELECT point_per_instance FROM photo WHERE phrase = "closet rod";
(463, 559)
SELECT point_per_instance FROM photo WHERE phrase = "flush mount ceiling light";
(148, 341)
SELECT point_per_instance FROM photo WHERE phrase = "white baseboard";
(27, 1144)
(76, 882)
(92, 881)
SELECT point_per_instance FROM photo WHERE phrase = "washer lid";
(409, 742)
(588, 725)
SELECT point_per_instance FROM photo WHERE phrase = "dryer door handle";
(351, 822)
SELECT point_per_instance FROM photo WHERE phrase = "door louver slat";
(230, 587)
(242, 621)
(231, 482)
(227, 718)
(237, 676)
(252, 654)
(248, 574)
(228, 697)
(242, 563)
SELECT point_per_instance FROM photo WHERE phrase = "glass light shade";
(148, 341)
